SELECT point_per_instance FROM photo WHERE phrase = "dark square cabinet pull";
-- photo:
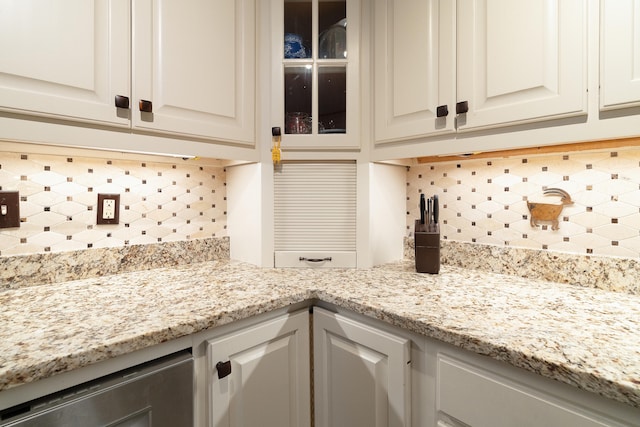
(146, 106)
(122, 101)
(442, 111)
(224, 369)
(462, 107)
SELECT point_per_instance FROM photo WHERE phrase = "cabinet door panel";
(414, 68)
(67, 59)
(478, 397)
(520, 61)
(620, 54)
(269, 381)
(195, 61)
(362, 375)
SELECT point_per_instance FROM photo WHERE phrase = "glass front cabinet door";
(315, 88)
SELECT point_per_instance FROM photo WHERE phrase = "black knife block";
(426, 239)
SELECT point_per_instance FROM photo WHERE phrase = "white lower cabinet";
(367, 373)
(259, 376)
(362, 375)
(475, 391)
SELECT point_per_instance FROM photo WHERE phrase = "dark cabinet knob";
(224, 369)
(122, 101)
(442, 111)
(462, 107)
(146, 106)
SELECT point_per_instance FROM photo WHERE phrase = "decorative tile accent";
(484, 201)
(160, 202)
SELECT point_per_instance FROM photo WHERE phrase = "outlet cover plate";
(10, 207)
(100, 219)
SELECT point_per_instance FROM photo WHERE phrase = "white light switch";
(109, 209)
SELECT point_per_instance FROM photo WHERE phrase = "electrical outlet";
(108, 209)
(9, 209)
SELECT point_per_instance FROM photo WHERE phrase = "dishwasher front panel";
(156, 394)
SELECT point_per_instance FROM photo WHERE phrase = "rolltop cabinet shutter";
(315, 214)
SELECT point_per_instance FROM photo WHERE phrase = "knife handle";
(422, 208)
(436, 209)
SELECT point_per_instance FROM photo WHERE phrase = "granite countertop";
(584, 337)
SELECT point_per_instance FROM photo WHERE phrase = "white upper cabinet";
(619, 54)
(66, 59)
(195, 63)
(414, 68)
(178, 68)
(520, 61)
(315, 87)
(513, 61)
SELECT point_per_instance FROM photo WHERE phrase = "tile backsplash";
(482, 201)
(485, 201)
(159, 202)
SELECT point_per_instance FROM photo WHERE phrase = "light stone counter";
(581, 336)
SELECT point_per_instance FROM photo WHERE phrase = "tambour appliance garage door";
(315, 214)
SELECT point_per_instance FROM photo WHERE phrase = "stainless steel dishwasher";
(154, 394)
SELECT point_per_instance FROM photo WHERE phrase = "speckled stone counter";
(607, 273)
(584, 337)
(38, 269)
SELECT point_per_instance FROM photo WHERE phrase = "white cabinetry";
(520, 61)
(473, 391)
(315, 215)
(267, 377)
(620, 54)
(513, 62)
(414, 69)
(195, 62)
(315, 87)
(67, 59)
(192, 63)
(362, 375)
